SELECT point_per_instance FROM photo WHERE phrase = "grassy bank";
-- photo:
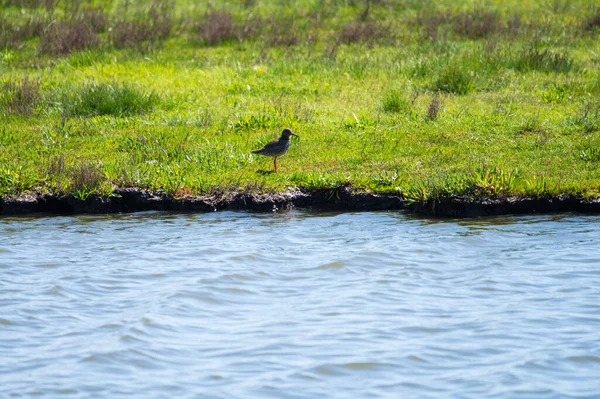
(425, 99)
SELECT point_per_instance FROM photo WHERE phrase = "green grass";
(533, 59)
(484, 99)
(394, 102)
(455, 80)
(106, 99)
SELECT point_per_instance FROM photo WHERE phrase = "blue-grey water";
(299, 305)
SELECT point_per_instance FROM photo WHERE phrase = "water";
(298, 305)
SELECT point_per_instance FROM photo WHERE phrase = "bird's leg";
(275, 163)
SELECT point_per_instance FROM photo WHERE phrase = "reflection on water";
(299, 305)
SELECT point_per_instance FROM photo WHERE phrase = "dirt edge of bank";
(341, 198)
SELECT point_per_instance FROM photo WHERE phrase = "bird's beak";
(293, 134)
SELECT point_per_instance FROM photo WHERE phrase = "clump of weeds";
(86, 178)
(13, 32)
(217, 27)
(16, 179)
(454, 79)
(433, 109)
(476, 24)
(588, 119)
(364, 32)
(534, 59)
(81, 178)
(592, 22)
(431, 23)
(21, 96)
(146, 29)
(492, 182)
(78, 31)
(394, 102)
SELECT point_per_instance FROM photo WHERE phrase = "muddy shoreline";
(342, 198)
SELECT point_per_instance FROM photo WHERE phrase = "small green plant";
(393, 102)
(557, 93)
(452, 185)
(417, 192)
(536, 186)
(454, 80)
(590, 154)
(588, 120)
(82, 193)
(493, 182)
(16, 179)
(530, 125)
(386, 178)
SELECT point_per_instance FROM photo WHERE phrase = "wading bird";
(277, 148)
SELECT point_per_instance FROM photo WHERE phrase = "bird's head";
(287, 133)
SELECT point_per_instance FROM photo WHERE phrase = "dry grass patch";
(77, 32)
(47, 4)
(13, 33)
(65, 37)
(476, 24)
(433, 109)
(149, 28)
(217, 27)
(365, 32)
(593, 22)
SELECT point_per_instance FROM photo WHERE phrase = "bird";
(277, 148)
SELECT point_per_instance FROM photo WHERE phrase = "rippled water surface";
(299, 305)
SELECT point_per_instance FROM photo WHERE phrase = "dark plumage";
(277, 148)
